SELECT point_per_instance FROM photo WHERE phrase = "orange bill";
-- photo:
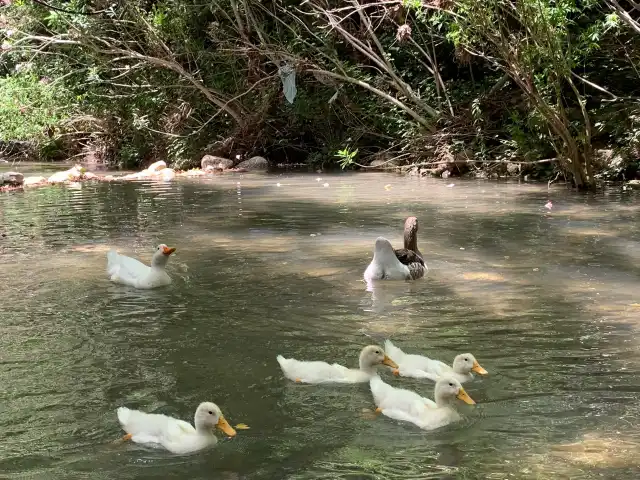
(225, 427)
(387, 361)
(478, 369)
(464, 396)
(168, 251)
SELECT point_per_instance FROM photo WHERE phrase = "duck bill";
(225, 427)
(168, 251)
(388, 362)
(478, 369)
(464, 396)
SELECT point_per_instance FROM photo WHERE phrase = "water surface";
(546, 300)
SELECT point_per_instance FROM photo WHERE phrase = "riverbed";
(545, 298)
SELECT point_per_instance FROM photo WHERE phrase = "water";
(546, 300)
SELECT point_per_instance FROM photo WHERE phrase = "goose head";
(372, 356)
(448, 389)
(411, 234)
(465, 363)
(209, 417)
(161, 255)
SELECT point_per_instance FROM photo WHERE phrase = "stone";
(72, 175)
(157, 166)
(168, 174)
(513, 168)
(254, 164)
(211, 162)
(14, 179)
(34, 181)
(383, 164)
(633, 184)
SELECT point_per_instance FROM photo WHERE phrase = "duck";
(400, 264)
(418, 366)
(408, 406)
(176, 436)
(322, 372)
(129, 271)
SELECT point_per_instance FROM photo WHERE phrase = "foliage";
(31, 106)
(133, 81)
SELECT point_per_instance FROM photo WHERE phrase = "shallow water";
(546, 300)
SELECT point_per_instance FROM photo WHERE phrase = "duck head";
(465, 363)
(448, 389)
(161, 255)
(372, 356)
(209, 417)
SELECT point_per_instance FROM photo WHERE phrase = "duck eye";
(210, 412)
(451, 384)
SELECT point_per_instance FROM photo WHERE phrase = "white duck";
(402, 264)
(418, 366)
(175, 435)
(129, 271)
(408, 406)
(322, 372)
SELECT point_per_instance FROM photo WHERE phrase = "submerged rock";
(14, 179)
(254, 164)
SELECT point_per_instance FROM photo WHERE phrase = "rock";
(513, 168)
(72, 175)
(633, 184)
(211, 162)
(156, 166)
(14, 179)
(254, 164)
(34, 181)
(384, 163)
(168, 174)
(194, 172)
(446, 174)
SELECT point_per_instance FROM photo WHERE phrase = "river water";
(545, 299)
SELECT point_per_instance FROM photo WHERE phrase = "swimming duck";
(321, 372)
(175, 435)
(129, 271)
(418, 366)
(408, 406)
(400, 264)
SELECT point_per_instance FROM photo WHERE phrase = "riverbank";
(12, 180)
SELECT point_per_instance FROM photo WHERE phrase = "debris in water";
(318, 179)
(325, 185)
(387, 187)
(242, 426)
(548, 205)
(451, 185)
(278, 185)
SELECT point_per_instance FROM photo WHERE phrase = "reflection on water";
(546, 300)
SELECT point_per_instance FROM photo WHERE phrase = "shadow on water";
(545, 299)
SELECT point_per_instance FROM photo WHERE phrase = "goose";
(129, 271)
(418, 366)
(400, 264)
(175, 435)
(407, 406)
(322, 372)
